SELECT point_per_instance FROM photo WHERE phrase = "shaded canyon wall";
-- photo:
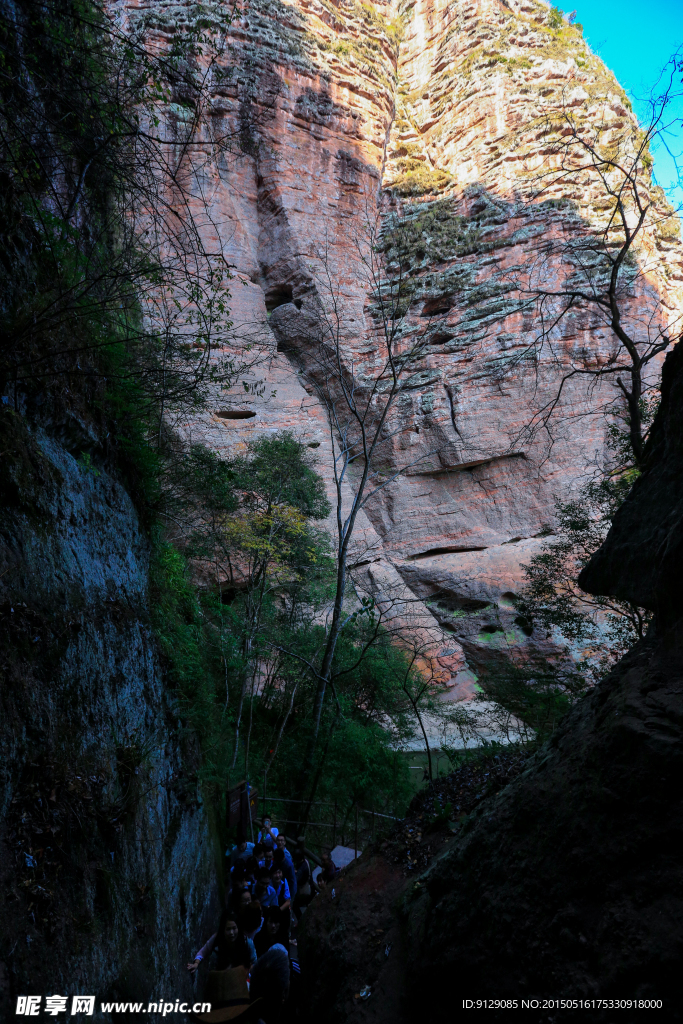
(567, 884)
(109, 860)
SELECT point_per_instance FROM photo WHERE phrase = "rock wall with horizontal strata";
(437, 113)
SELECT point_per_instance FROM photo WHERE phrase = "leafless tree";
(109, 148)
(601, 273)
(360, 399)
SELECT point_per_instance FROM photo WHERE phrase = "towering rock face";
(109, 863)
(564, 885)
(437, 118)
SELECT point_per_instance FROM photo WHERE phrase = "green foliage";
(176, 616)
(362, 767)
(358, 762)
(538, 693)
(597, 630)
(239, 656)
(278, 471)
(253, 519)
(97, 280)
(416, 178)
(556, 18)
(434, 232)
(441, 814)
(198, 677)
(87, 465)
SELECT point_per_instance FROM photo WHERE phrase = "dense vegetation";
(242, 649)
(113, 318)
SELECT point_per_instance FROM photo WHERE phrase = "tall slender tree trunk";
(426, 741)
(319, 769)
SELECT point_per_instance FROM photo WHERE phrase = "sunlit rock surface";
(343, 111)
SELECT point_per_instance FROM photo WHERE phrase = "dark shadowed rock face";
(642, 558)
(569, 882)
(108, 853)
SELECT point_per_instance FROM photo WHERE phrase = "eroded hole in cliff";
(235, 414)
(441, 337)
(452, 603)
(448, 549)
(280, 297)
(438, 306)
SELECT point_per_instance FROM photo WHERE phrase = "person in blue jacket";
(268, 834)
(283, 860)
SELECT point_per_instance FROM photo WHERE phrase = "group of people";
(256, 974)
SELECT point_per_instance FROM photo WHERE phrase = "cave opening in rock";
(454, 603)
(280, 297)
(463, 606)
(524, 625)
(437, 307)
(235, 414)
(446, 549)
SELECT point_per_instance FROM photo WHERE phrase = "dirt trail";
(352, 941)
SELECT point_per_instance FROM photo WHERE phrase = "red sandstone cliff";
(437, 112)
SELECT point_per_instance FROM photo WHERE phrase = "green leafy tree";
(266, 575)
(556, 18)
(255, 538)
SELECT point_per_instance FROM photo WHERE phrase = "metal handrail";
(284, 822)
(326, 803)
(318, 824)
(377, 814)
(287, 800)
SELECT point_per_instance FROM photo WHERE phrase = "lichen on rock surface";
(435, 118)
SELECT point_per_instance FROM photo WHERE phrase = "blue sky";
(636, 38)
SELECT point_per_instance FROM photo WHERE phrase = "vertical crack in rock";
(431, 113)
